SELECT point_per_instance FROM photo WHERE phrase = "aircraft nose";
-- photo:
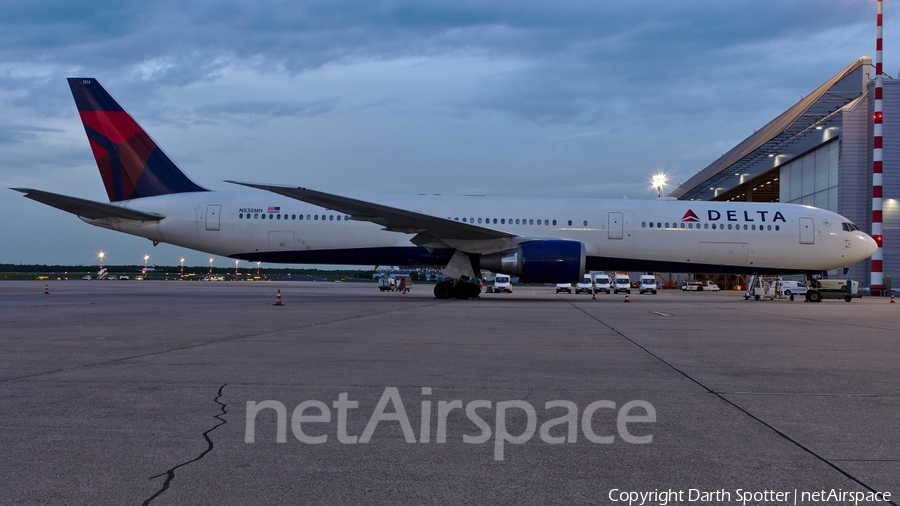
(871, 246)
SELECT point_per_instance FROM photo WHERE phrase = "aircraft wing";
(391, 218)
(87, 208)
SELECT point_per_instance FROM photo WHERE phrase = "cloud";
(10, 133)
(272, 108)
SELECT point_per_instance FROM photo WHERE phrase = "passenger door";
(616, 225)
(213, 212)
(807, 231)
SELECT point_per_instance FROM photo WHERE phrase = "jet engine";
(550, 261)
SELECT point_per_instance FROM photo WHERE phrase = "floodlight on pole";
(659, 182)
(146, 257)
(101, 260)
(182, 267)
(210, 265)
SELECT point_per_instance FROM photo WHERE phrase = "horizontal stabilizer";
(391, 218)
(87, 208)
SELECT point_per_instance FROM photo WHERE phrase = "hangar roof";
(782, 131)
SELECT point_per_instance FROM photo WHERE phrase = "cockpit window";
(849, 227)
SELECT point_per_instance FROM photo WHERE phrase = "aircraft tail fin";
(131, 164)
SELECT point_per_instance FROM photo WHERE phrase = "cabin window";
(777, 228)
(330, 217)
(643, 224)
(554, 223)
(570, 223)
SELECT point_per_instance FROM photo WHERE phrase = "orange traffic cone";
(278, 299)
(46, 289)
(626, 298)
(892, 298)
(593, 295)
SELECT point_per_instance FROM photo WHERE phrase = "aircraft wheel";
(756, 297)
(746, 297)
(443, 290)
(847, 298)
(815, 297)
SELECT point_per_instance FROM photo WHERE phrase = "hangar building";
(819, 153)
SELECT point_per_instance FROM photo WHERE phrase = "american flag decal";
(273, 209)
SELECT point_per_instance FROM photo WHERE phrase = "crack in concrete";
(170, 474)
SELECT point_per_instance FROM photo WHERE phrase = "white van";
(648, 284)
(793, 287)
(601, 283)
(586, 285)
(621, 283)
(502, 283)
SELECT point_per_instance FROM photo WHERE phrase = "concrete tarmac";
(137, 392)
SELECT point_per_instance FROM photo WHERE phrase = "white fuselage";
(651, 235)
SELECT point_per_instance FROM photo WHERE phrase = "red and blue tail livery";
(131, 164)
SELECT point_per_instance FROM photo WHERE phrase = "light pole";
(182, 267)
(101, 260)
(210, 266)
(257, 269)
(146, 257)
(236, 268)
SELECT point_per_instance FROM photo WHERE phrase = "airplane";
(541, 240)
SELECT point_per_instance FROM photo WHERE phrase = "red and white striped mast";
(877, 286)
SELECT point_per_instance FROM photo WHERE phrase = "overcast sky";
(528, 98)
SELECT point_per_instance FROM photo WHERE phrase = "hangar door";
(212, 216)
(807, 231)
(615, 225)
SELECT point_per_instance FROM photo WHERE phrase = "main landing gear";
(459, 289)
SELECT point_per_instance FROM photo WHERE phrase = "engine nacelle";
(551, 261)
